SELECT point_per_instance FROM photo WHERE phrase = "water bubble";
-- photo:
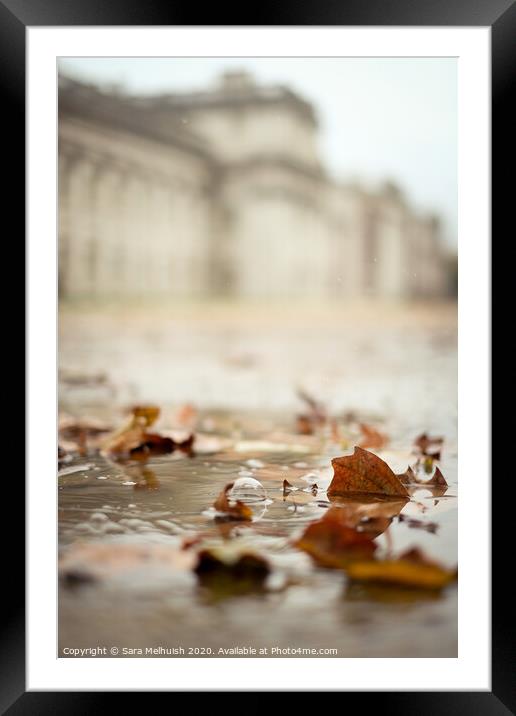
(247, 489)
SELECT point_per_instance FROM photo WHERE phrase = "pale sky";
(380, 118)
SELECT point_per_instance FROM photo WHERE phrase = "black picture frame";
(15, 17)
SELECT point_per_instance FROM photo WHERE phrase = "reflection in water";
(302, 603)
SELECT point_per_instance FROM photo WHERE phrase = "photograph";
(257, 357)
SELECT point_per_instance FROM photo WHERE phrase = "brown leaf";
(287, 487)
(364, 472)
(372, 438)
(232, 509)
(332, 541)
(408, 477)
(437, 479)
(411, 569)
(429, 445)
(145, 415)
(308, 422)
(81, 435)
(133, 439)
(304, 425)
(226, 572)
(152, 444)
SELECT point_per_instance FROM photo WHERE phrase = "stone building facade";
(222, 193)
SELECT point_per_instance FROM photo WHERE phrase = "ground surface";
(392, 367)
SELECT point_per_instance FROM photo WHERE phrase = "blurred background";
(232, 229)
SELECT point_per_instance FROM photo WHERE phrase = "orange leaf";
(332, 541)
(234, 509)
(424, 442)
(412, 569)
(145, 414)
(408, 477)
(364, 472)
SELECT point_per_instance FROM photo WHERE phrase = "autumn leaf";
(364, 472)
(81, 435)
(133, 439)
(232, 509)
(332, 541)
(408, 477)
(411, 569)
(152, 444)
(145, 415)
(316, 416)
(430, 446)
(227, 571)
(437, 479)
(371, 437)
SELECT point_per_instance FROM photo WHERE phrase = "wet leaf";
(364, 472)
(408, 477)
(232, 509)
(133, 439)
(226, 571)
(316, 416)
(145, 415)
(332, 541)
(81, 436)
(153, 444)
(437, 479)
(372, 438)
(411, 569)
(430, 446)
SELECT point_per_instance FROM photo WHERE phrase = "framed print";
(258, 300)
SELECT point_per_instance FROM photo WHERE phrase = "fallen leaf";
(227, 571)
(332, 541)
(408, 477)
(371, 437)
(287, 487)
(316, 416)
(133, 439)
(152, 444)
(81, 436)
(411, 569)
(364, 472)
(424, 443)
(437, 479)
(304, 425)
(232, 509)
(145, 415)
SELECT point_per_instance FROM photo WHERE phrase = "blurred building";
(223, 193)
